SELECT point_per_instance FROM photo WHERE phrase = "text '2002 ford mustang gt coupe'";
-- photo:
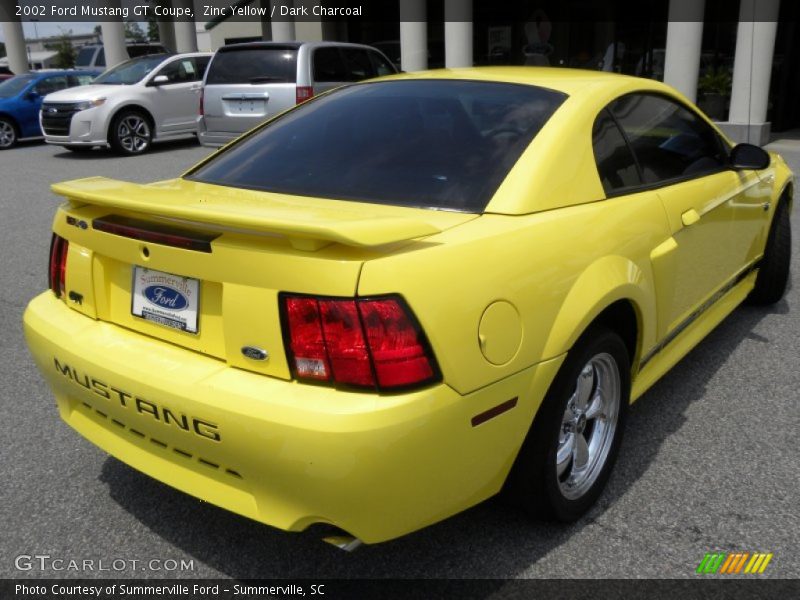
(397, 299)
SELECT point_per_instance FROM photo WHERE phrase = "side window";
(75, 80)
(615, 163)
(50, 85)
(329, 65)
(670, 141)
(100, 61)
(200, 66)
(179, 71)
(359, 65)
(381, 65)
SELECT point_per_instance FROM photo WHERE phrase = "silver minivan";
(247, 83)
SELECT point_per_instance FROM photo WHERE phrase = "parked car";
(21, 97)
(247, 83)
(398, 299)
(94, 56)
(5, 73)
(129, 106)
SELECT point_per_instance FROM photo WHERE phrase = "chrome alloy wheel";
(588, 426)
(7, 134)
(133, 133)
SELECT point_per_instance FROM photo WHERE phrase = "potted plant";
(714, 88)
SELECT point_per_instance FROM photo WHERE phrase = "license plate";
(165, 299)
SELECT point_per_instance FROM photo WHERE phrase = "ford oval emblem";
(164, 296)
(255, 353)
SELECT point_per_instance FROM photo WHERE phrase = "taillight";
(201, 108)
(157, 233)
(304, 92)
(58, 264)
(362, 342)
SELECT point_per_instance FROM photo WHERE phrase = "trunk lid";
(246, 247)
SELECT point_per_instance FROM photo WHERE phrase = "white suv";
(129, 106)
(247, 83)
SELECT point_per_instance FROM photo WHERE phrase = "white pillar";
(185, 32)
(684, 42)
(413, 35)
(114, 42)
(282, 26)
(15, 44)
(457, 33)
(166, 35)
(752, 66)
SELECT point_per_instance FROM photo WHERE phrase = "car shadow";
(490, 540)
(107, 153)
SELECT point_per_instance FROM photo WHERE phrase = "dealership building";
(738, 59)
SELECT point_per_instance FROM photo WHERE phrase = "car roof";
(288, 45)
(567, 80)
(558, 168)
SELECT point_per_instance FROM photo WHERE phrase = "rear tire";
(131, 133)
(569, 452)
(773, 275)
(8, 134)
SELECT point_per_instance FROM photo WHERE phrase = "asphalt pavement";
(709, 461)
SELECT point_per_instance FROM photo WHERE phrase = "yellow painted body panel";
(502, 297)
(376, 466)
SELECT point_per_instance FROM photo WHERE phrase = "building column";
(185, 32)
(15, 43)
(114, 43)
(166, 35)
(752, 67)
(684, 45)
(413, 35)
(282, 27)
(457, 33)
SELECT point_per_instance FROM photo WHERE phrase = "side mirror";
(748, 156)
(159, 80)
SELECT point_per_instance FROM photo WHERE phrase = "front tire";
(8, 134)
(773, 274)
(131, 133)
(571, 447)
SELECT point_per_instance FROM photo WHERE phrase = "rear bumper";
(213, 139)
(285, 454)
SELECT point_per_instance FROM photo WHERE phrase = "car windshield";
(442, 144)
(131, 71)
(11, 87)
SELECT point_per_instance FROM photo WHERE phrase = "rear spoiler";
(310, 224)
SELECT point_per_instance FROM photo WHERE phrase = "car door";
(175, 101)
(684, 159)
(29, 117)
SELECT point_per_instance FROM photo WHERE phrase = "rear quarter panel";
(558, 269)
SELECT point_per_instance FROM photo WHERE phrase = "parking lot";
(709, 461)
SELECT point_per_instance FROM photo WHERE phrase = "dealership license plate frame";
(186, 319)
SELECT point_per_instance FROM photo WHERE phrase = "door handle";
(690, 217)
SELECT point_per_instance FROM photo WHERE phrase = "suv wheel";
(131, 133)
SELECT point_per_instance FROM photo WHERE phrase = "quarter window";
(381, 65)
(50, 85)
(329, 65)
(358, 64)
(669, 141)
(615, 163)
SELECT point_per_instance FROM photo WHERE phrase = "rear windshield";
(253, 65)
(441, 144)
(85, 55)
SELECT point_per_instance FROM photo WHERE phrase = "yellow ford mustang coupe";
(400, 298)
